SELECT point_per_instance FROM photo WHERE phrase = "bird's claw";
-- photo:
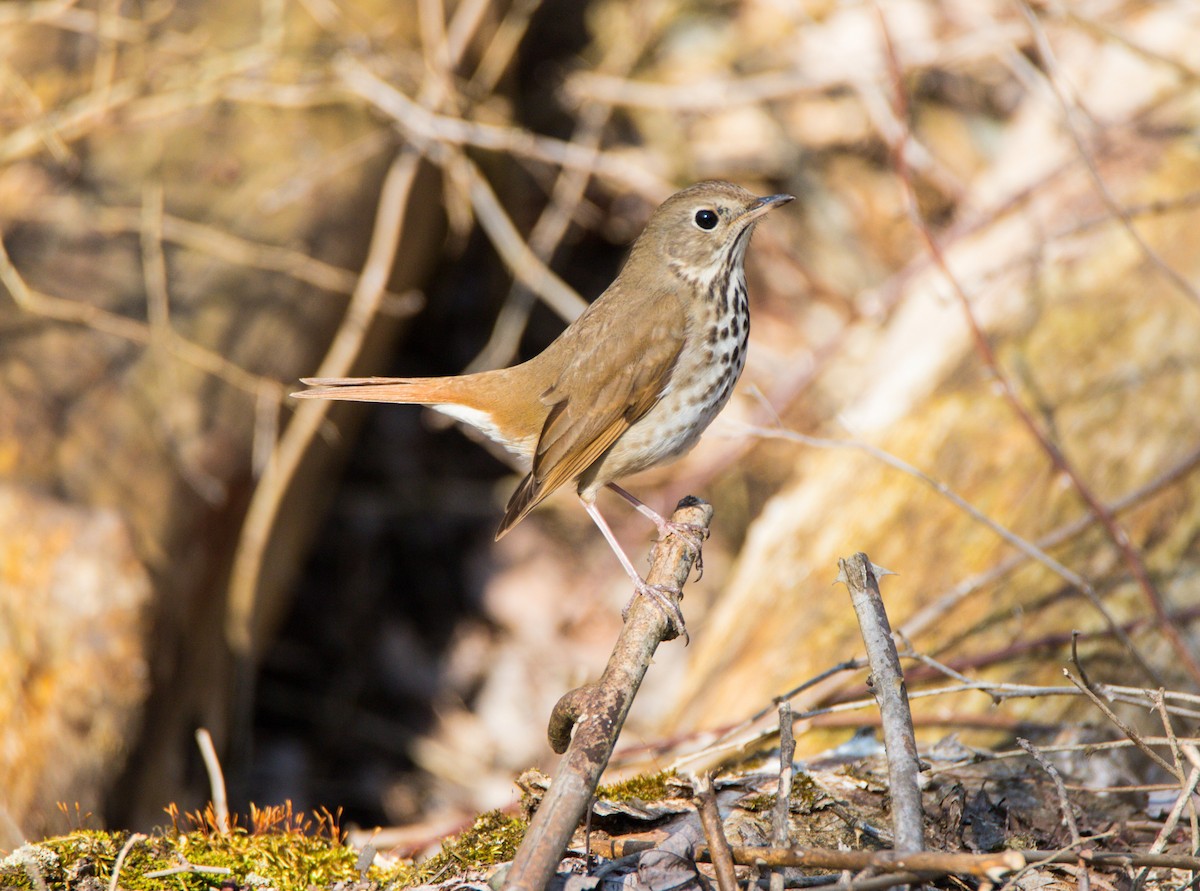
(665, 597)
(693, 535)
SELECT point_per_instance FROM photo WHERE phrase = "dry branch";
(714, 833)
(783, 795)
(587, 721)
(887, 683)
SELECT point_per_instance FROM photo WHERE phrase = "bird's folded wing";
(606, 388)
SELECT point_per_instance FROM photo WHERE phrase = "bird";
(632, 383)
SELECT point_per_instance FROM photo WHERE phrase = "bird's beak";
(763, 205)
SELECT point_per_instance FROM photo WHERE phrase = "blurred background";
(975, 356)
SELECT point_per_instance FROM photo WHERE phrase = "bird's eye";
(706, 219)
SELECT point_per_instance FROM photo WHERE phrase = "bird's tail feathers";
(415, 390)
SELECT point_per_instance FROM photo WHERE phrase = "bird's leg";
(659, 594)
(693, 535)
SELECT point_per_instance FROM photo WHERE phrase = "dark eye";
(706, 219)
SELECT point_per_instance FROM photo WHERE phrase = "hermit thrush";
(632, 382)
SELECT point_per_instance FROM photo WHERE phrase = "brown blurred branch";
(566, 196)
(1071, 108)
(216, 243)
(1116, 533)
(424, 126)
(90, 316)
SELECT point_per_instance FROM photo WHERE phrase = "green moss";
(646, 787)
(757, 804)
(282, 851)
(805, 793)
(493, 839)
(285, 860)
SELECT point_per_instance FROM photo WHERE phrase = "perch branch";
(586, 722)
(861, 576)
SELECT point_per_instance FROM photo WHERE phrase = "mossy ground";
(280, 850)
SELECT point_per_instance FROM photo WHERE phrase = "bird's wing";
(613, 379)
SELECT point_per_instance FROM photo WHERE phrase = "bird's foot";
(666, 598)
(693, 535)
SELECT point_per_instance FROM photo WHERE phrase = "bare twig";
(186, 867)
(1064, 804)
(938, 607)
(422, 125)
(861, 576)
(216, 779)
(216, 243)
(113, 883)
(1029, 549)
(565, 197)
(1186, 796)
(783, 795)
(992, 865)
(91, 316)
(714, 833)
(1133, 735)
(587, 721)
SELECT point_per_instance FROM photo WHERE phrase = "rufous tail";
(414, 390)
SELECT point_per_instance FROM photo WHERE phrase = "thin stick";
(1133, 735)
(1064, 804)
(216, 779)
(991, 865)
(586, 722)
(887, 683)
(783, 795)
(125, 848)
(390, 216)
(714, 834)
(1071, 109)
(1029, 549)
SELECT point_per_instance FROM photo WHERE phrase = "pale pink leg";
(658, 594)
(692, 534)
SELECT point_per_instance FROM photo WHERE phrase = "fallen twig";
(989, 865)
(586, 722)
(783, 795)
(714, 834)
(887, 683)
(125, 848)
(1085, 686)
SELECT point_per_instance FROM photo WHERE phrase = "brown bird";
(631, 383)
